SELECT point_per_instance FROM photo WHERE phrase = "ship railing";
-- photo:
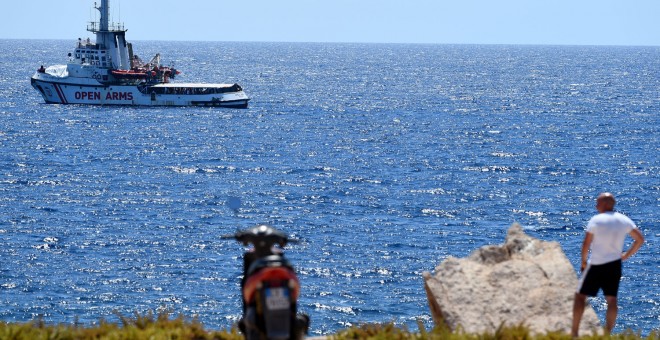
(86, 44)
(113, 27)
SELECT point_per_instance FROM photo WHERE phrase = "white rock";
(524, 281)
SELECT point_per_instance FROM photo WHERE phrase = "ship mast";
(104, 22)
(111, 38)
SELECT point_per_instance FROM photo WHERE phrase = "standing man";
(606, 233)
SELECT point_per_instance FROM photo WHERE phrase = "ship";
(107, 72)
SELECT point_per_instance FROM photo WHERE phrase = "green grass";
(389, 331)
(162, 327)
(141, 327)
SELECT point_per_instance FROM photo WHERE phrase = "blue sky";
(550, 22)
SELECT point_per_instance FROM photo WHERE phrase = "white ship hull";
(59, 92)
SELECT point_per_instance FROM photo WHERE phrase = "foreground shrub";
(162, 327)
(390, 331)
(141, 327)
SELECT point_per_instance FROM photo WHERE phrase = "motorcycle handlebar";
(261, 236)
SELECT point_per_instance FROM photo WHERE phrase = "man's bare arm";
(586, 245)
(638, 241)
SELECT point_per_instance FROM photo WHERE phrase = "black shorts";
(603, 276)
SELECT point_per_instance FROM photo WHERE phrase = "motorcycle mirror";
(234, 203)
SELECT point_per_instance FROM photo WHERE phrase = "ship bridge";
(111, 49)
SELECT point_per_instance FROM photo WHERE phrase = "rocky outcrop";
(524, 281)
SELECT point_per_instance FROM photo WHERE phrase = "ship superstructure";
(106, 72)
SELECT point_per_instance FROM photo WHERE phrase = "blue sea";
(382, 159)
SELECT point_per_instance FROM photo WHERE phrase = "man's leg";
(579, 303)
(610, 316)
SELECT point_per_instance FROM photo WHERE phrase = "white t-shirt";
(609, 230)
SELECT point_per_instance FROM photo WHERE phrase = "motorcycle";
(269, 287)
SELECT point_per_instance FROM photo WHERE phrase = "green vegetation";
(390, 331)
(147, 327)
(162, 327)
